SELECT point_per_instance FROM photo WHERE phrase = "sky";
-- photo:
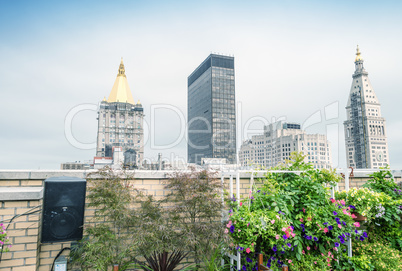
(294, 60)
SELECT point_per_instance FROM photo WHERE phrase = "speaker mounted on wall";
(63, 209)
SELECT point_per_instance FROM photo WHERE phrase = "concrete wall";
(22, 191)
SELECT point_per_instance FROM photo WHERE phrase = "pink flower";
(226, 230)
(315, 262)
(304, 210)
(339, 226)
(248, 250)
(252, 244)
(308, 248)
(229, 224)
(303, 252)
(238, 230)
(301, 219)
(342, 202)
(289, 261)
(356, 224)
(353, 216)
(283, 229)
(322, 254)
(333, 201)
(277, 236)
(241, 203)
(329, 265)
(309, 218)
(335, 248)
(248, 224)
(329, 253)
(272, 221)
(325, 230)
(328, 259)
(277, 216)
(293, 235)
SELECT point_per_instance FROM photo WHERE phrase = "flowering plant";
(290, 218)
(4, 246)
(363, 200)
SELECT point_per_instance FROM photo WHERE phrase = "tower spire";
(359, 68)
(122, 70)
(358, 56)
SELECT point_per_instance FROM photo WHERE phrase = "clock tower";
(365, 130)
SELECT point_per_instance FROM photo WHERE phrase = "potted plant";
(363, 202)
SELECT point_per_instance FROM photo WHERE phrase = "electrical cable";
(58, 254)
(16, 216)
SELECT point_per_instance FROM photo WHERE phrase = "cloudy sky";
(293, 61)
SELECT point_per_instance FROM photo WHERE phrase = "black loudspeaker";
(63, 209)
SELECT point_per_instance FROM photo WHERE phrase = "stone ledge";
(20, 193)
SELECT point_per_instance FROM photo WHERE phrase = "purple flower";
(274, 248)
(335, 213)
(352, 207)
(248, 259)
(361, 238)
(365, 234)
(330, 228)
(285, 237)
(344, 223)
(289, 245)
(326, 223)
(258, 191)
(336, 244)
(232, 228)
(342, 241)
(315, 238)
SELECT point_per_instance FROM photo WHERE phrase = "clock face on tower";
(380, 156)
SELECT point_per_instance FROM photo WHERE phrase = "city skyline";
(292, 60)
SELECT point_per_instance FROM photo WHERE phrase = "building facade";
(365, 130)
(211, 110)
(277, 143)
(120, 121)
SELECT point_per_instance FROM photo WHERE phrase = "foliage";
(163, 262)
(292, 214)
(387, 217)
(382, 181)
(365, 201)
(212, 262)
(4, 241)
(195, 208)
(375, 255)
(109, 238)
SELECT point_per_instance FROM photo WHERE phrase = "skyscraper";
(120, 121)
(211, 110)
(365, 132)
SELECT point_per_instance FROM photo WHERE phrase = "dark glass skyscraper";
(211, 110)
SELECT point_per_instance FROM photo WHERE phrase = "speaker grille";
(63, 209)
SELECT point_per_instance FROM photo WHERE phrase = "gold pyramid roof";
(121, 91)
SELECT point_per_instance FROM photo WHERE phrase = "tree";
(194, 206)
(109, 237)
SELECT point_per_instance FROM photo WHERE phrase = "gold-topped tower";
(120, 123)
